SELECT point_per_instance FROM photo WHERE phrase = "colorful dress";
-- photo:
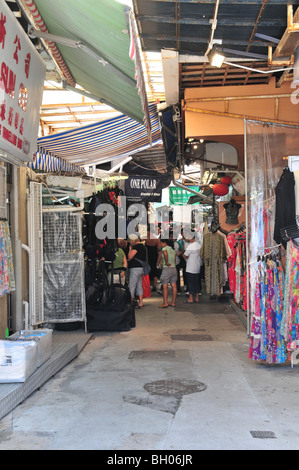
(290, 319)
(266, 342)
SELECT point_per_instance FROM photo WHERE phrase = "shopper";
(193, 265)
(180, 263)
(120, 265)
(137, 251)
(124, 245)
(152, 244)
(183, 243)
(169, 273)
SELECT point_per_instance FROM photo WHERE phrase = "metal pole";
(247, 231)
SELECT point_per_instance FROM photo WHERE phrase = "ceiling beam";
(229, 2)
(257, 23)
(199, 40)
(45, 116)
(290, 39)
(74, 105)
(206, 21)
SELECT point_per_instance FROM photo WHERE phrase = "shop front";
(272, 180)
(261, 123)
(22, 78)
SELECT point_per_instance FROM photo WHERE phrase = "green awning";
(101, 25)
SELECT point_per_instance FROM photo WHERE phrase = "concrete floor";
(181, 380)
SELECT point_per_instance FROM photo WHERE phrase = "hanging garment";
(290, 317)
(4, 280)
(266, 341)
(9, 256)
(231, 261)
(213, 255)
(285, 211)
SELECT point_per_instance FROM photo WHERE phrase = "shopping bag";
(146, 286)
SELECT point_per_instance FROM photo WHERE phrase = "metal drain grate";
(154, 354)
(176, 388)
(193, 337)
(263, 434)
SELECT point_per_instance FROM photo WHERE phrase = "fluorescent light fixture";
(215, 57)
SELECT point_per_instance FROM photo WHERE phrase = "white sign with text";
(22, 74)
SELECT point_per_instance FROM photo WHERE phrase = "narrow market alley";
(180, 380)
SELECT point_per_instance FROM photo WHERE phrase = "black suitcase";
(109, 308)
(111, 320)
(111, 311)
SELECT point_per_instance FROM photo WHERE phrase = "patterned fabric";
(290, 317)
(213, 254)
(237, 270)
(7, 280)
(267, 342)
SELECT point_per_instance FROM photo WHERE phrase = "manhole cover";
(154, 354)
(194, 337)
(263, 434)
(176, 388)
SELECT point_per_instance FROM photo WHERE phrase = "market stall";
(271, 165)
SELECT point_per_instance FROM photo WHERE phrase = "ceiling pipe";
(119, 165)
(256, 70)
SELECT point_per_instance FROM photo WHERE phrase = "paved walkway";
(181, 380)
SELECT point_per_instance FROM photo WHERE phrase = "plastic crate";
(43, 337)
(18, 360)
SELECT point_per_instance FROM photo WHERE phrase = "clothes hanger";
(289, 233)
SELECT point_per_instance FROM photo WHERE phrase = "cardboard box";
(43, 338)
(18, 360)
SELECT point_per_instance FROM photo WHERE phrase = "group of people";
(166, 258)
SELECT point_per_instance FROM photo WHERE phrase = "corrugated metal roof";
(185, 25)
(243, 29)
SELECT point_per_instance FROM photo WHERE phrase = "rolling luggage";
(109, 308)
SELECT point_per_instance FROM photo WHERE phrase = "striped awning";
(47, 163)
(101, 142)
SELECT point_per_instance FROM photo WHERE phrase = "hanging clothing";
(213, 254)
(290, 316)
(7, 279)
(237, 270)
(285, 213)
(266, 341)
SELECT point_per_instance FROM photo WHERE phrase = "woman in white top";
(193, 265)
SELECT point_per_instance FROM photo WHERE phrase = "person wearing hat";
(137, 251)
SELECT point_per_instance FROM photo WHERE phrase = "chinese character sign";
(22, 74)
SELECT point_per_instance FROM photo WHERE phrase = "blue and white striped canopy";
(101, 142)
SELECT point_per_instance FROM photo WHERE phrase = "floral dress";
(266, 342)
(290, 319)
